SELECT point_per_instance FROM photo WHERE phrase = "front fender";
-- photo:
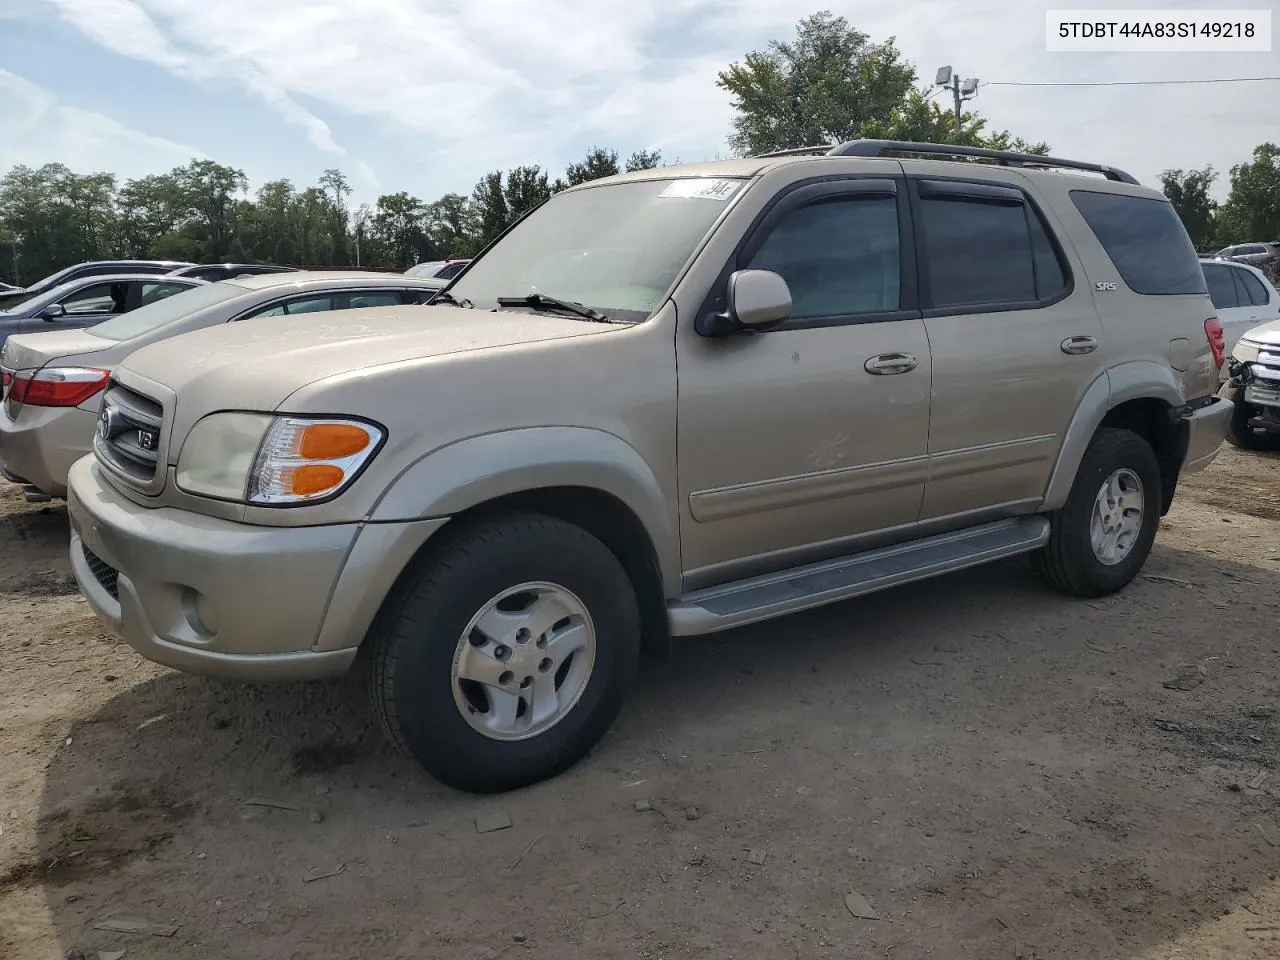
(1128, 381)
(471, 472)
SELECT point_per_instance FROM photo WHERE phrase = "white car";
(1243, 297)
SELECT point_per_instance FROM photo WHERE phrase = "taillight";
(57, 386)
(1217, 343)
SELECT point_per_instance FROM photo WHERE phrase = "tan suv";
(664, 403)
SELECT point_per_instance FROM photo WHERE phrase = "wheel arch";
(1143, 397)
(586, 477)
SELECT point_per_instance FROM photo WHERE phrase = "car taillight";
(57, 386)
(1217, 343)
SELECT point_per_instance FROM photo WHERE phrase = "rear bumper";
(41, 443)
(1206, 433)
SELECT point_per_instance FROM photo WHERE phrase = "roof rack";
(879, 148)
(820, 149)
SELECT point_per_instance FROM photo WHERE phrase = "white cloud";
(38, 130)
(487, 84)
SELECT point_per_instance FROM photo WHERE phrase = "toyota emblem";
(104, 423)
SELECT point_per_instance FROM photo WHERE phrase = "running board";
(789, 591)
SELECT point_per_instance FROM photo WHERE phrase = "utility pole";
(961, 90)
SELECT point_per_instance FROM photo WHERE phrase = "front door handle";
(1078, 345)
(888, 363)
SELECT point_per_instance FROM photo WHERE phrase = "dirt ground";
(998, 771)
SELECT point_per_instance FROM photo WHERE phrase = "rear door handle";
(889, 363)
(1078, 345)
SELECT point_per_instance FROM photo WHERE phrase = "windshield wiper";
(444, 296)
(540, 301)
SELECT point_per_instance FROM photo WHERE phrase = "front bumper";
(1206, 433)
(41, 443)
(226, 599)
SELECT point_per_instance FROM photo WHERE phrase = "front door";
(1015, 344)
(798, 442)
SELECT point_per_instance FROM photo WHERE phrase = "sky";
(428, 95)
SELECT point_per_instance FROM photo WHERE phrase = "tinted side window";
(151, 292)
(1222, 289)
(839, 257)
(1254, 289)
(979, 252)
(451, 271)
(1145, 241)
(382, 298)
(98, 298)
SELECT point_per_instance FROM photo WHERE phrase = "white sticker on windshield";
(702, 188)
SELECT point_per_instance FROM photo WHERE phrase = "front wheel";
(1101, 537)
(504, 658)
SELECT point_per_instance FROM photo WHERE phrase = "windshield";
(44, 299)
(164, 311)
(616, 248)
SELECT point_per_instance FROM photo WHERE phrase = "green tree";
(450, 227)
(922, 119)
(1188, 191)
(490, 212)
(333, 183)
(644, 160)
(210, 191)
(148, 208)
(598, 163)
(397, 222)
(1251, 212)
(526, 189)
(825, 86)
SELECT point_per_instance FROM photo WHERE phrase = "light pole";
(961, 90)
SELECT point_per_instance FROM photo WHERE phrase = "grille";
(103, 572)
(129, 433)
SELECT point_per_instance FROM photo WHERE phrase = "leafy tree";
(834, 84)
(598, 163)
(823, 87)
(398, 223)
(449, 225)
(921, 119)
(644, 160)
(1188, 191)
(526, 189)
(1252, 209)
(490, 212)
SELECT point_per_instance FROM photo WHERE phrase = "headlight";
(274, 461)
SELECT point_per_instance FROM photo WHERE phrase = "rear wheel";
(1101, 537)
(1240, 434)
(503, 659)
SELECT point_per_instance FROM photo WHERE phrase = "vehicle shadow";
(992, 766)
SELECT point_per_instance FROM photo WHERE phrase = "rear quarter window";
(1144, 240)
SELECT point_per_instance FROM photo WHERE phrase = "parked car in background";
(89, 300)
(1265, 255)
(1254, 388)
(669, 402)
(90, 268)
(214, 272)
(53, 381)
(442, 269)
(1243, 297)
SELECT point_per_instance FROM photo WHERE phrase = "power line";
(1119, 83)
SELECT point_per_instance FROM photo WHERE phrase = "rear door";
(1014, 340)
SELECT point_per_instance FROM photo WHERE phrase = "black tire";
(1068, 561)
(417, 636)
(1240, 434)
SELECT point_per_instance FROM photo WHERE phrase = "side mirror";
(52, 312)
(754, 300)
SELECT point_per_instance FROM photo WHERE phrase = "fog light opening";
(199, 612)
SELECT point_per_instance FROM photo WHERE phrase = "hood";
(256, 364)
(1267, 335)
(25, 351)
